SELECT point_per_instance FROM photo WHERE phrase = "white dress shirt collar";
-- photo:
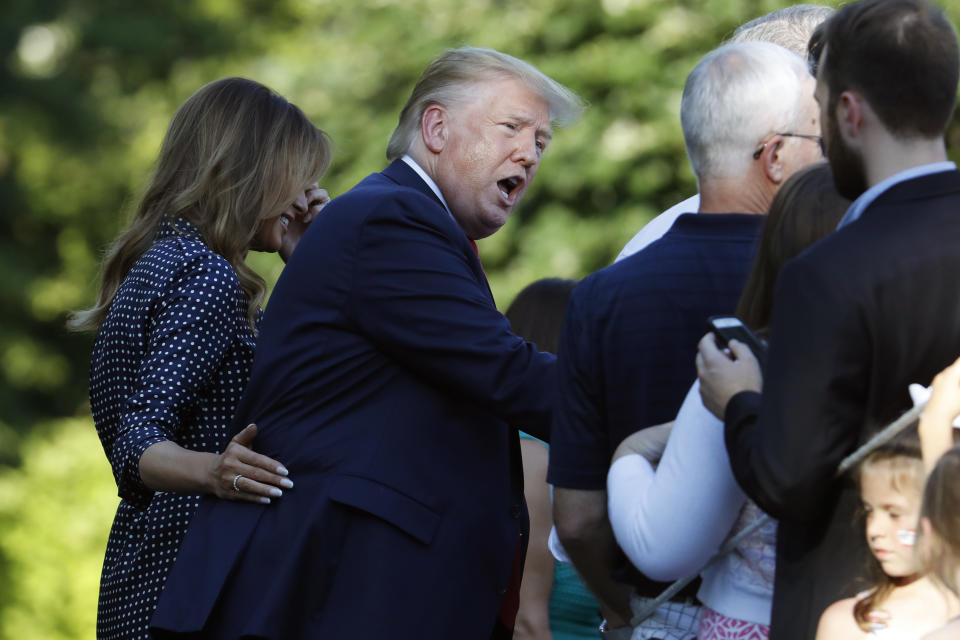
(867, 197)
(426, 178)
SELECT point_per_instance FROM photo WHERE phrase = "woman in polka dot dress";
(177, 314)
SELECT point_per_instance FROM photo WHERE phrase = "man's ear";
(771, 161)
(850, 111)
(434, 126)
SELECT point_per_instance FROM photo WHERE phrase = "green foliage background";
(86, 90)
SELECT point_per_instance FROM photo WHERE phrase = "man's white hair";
(790, 28)
(450, 76)
(735, 97)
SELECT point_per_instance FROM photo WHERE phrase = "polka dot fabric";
(170, 362)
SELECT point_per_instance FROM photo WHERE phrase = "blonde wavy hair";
(235, 154)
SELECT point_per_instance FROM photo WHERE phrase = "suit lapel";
(400, 172)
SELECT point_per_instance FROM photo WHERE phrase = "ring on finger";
(236, 479)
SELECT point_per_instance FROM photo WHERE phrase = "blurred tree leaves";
(86, 90)
(55, 512)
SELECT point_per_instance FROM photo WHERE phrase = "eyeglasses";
(805, 136)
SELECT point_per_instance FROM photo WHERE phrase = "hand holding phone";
(726, 328)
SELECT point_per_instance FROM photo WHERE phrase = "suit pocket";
(402, 511)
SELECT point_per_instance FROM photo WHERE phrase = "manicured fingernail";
(276, 493)
(283, 471)
(286, 484)
(264, 500)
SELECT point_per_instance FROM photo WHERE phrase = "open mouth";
(510, 187)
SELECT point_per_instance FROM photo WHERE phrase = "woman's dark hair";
(806, 209)
(536, 314)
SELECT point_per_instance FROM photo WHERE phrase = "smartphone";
(726, 328)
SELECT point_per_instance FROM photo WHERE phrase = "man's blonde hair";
(448, 78)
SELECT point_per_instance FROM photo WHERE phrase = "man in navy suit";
(862, 314)
(391, 387)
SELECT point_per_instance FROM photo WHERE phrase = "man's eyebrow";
(542, 132)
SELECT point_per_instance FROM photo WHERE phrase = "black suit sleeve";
(813, 403)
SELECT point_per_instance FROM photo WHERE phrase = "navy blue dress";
(170, 362)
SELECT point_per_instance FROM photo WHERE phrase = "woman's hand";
(239, 473)
(317, 199)
(301, 213)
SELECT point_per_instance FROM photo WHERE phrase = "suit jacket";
(386, 381)
(857, 317)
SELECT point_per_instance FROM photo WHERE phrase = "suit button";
(515, 511)
(502, 592)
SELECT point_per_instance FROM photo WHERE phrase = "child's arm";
(936, 422)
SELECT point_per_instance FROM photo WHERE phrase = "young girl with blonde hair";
(904, 602)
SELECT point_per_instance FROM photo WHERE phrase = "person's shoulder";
(658, 226)
(633, 275)
(176, 253)
(197, 258)
(594, 288)
(837, 622)
(177, 260)
(654, 265)
(378, 187)
(377, 198)
(647, 258)
(839, 250)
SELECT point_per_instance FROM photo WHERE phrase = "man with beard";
(630, 332)
(860, 315)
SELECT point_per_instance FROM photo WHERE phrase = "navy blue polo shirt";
(630, 334)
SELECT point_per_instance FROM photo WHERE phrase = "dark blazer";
(857, 317)
(386, 381)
